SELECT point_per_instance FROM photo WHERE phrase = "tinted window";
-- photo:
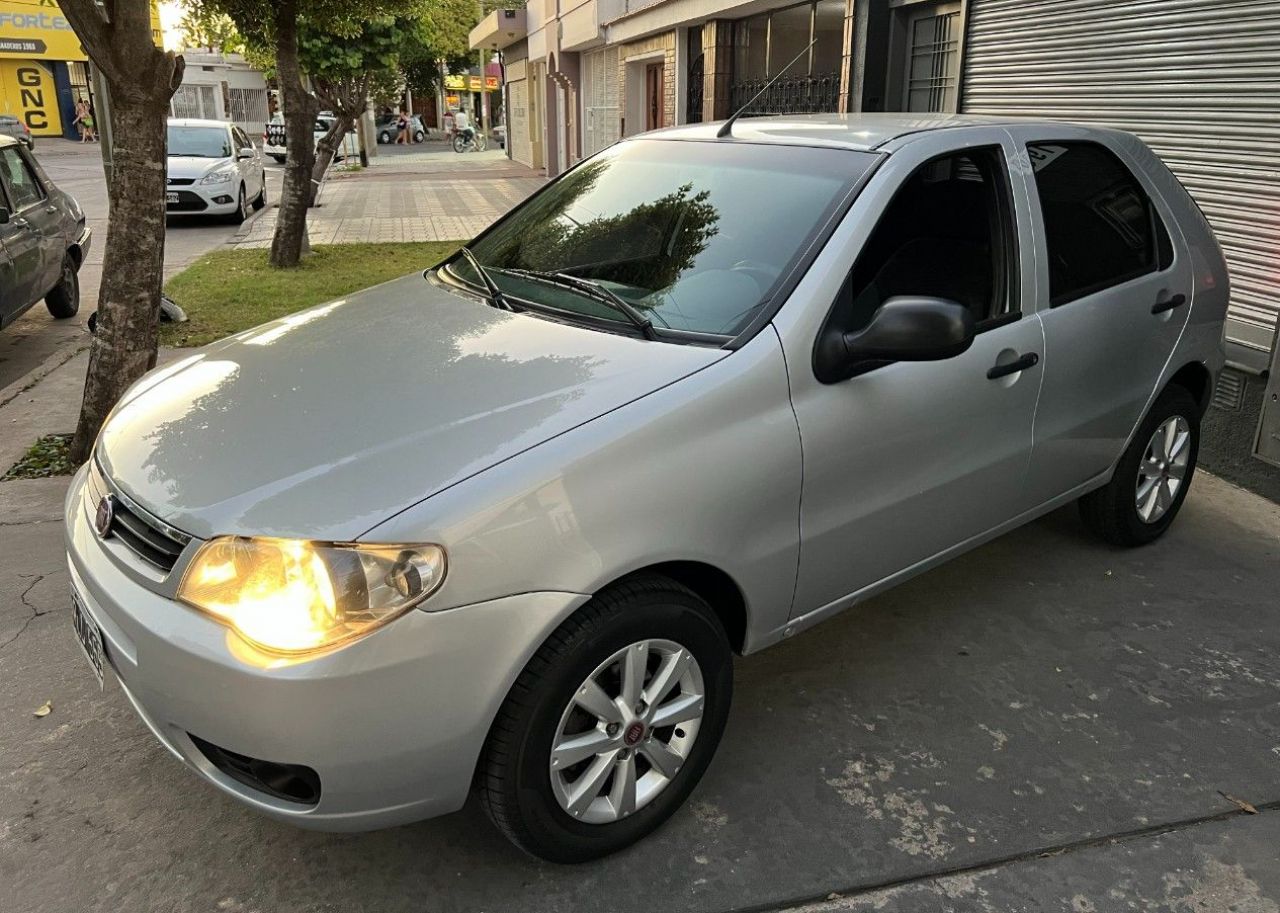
(946, 234)
(24, 190)
(695, 235)
(1100, 225)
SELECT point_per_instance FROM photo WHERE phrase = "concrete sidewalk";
(410, 196)
(1044, 694)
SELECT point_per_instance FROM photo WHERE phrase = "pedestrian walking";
(402, 125)
(82, 111)
(89, 124)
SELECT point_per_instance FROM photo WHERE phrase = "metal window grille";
(933, 61)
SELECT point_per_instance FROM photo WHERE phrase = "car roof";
(196, 122)
(863, 132)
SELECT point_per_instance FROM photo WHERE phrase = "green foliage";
(373, 47)
(47, 457)
(206, 27)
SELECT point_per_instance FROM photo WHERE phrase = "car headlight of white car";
(218, 177)
(293, 596)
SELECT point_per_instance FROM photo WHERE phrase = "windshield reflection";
(694, 235)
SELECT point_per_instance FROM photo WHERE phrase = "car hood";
(323, 424)
(182, 166)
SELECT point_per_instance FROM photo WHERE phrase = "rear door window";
(1100, 226)
(24, 189)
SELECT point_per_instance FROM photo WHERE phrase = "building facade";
(1199, 80)
(221, 86)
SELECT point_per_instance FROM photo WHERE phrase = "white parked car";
(213, 169)
(273, 139)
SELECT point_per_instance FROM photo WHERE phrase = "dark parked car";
(43, 238)
(11, 126)
(387, 129)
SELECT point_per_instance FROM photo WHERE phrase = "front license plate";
(171, 198)
(89, 635)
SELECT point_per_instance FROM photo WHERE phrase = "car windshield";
(696, 236)
(199, 142)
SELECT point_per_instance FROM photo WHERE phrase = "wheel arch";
(710, 583)
(1195, 378)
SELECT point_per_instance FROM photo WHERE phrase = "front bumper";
(393, 724)
(203, 199)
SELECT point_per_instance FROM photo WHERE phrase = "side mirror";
(904, 328)
(244, 154)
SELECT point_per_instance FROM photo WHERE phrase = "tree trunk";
(141, 79)
(300, 109)
(329, 143)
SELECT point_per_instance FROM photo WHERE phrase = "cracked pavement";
(1044, 724)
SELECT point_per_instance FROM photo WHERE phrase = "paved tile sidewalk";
(415, 206)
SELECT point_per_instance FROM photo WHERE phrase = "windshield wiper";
(594, 290)
(499, 300)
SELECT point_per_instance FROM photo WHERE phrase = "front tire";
(280, 159)
(242, 208)
(1153, 475)
(611, 724)
(64, 300)
(261, 200)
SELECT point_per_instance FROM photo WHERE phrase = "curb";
(242, 231)
(52, 363)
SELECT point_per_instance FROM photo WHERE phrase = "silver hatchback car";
(502, 525)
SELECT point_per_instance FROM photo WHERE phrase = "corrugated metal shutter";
(1199, 80)
(518, 125)
(600, 100)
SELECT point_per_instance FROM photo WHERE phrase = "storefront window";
(764, 45)
(828, 28)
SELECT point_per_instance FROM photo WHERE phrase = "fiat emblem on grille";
(105, 514)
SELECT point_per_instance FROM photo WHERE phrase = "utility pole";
(102, 120)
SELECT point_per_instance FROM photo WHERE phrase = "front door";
(1114, 299)
(654, 92)
(32, 237)
(910, 459)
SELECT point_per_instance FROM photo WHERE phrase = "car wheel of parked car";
(242, 208)
(384, 137)
(64, 300)
(419, 136)
(261, 200)
(1152, 477)
(611, 724)
(279, 159)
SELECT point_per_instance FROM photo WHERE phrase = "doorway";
(654, 95)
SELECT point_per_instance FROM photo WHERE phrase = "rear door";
(1114, 291)
(26, 255)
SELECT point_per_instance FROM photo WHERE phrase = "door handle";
(1176, 301)
(1030, 360)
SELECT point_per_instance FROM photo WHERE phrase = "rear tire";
(1142, 500)
(516, 783)
(459, 143)
(64, 300)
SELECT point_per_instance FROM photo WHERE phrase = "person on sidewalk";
(82, 111)
(90, 131)
(402, 124)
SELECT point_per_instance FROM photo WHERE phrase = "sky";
(170, 16)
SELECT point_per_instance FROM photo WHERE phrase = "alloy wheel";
(1163, 468)
(627, 731)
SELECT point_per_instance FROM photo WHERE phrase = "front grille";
(181, 182)
(148, 537)
(187, 202)
(291, 782)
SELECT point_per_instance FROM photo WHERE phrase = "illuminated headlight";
(292, 596)
(217, 177)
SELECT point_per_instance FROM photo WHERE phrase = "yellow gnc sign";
(37, 30)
